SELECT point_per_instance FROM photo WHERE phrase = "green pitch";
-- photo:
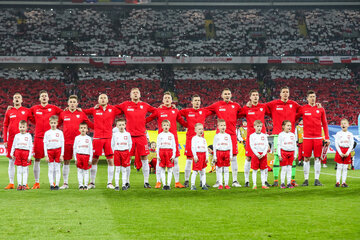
(301, 213)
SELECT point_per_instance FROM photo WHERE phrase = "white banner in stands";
(179, 60)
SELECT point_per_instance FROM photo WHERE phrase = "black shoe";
(247, 184)
(168, 188)
(207, 185)
(337, 184)
(200, 183)
(127, 185)
(147, 185)
(85, 188)
(317, 183)
(186, 184)
(56, 187)
(344, 185)
(117, 188)
(124, 188)
(204, 187)
(164, 187)
(300, 164)
(51, 187)
(81, 188)
(305, 183)
(276, 184)
(267, 184)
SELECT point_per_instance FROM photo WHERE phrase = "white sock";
(93, 171)
(306, 170)
(169, 177)
(344, 173)
(145, 170)
(110, 174)
(283, 173)
(86, 177)
(234, 168)
(262, 175)
(176, 170)
(117, 175)
(51, 173)
(25, 174)
(289, 173)
(254, 172)
(80, 177)
(19, 174)
(162, 173)
(226, 175)
(57, 174)
(188, 169)
(66, 171)
(11, 170)
(124, 175)
(158, 172)
(247, 170)
(193, 177)
(219, 175)
(266, 174)
(338, 172)
(203, 176)
(37, 171)
(317, 167)
(128, 171)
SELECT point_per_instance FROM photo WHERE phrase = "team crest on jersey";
(87, 140)
(141, 106)
(26, 138)
(261, 109)
(110, 110)
(292, 137)
(22, 112)
(263, 138)
(169, 138)
(125, 137)
(78, 116)
(57, 134)
(290, 105)
(317, 111)
(232, 106)
(173, 111)
(200, 112)
(226, 138)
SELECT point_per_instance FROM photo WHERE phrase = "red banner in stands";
(3, 151)
(117, 61)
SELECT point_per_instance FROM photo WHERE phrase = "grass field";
(301, 213)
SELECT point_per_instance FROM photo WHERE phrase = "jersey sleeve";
(280, 140)
(214, 147)
(252, 145)
(62, 140)
(325, 124)
(152, 117)
(173, 146)
(211, 108)
(91, 150)
(242, 113)
(75, 147)
(88, 122)
(58, 110)
(181, 120)
(231, 146)
(89, 111)
(266, 145)
(113, 141)
(13, 145)
(61, 120)
(31, 146)
(157, 148)
(351, 144)
(150, 108)
(193, 147)
(337, 143)
(45, 141)
(6, 125)
(129, 141)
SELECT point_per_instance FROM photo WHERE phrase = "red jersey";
(253, 113)
(281, 111)
(135, 114)
(227, 111)
(103, 120)
(71, 121)
(193, 117)
(314, 120)
(11, 122)
(167, 113)
(41, 115)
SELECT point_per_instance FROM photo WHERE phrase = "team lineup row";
(284, 113)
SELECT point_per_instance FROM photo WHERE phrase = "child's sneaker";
(227, 187)
(264, 187)
(255, 187)
(344, 185)
(220, 187)
(282, 186)
(117, 188)
(337, 184)
(81, 188)
(85, 188)
(205, 187)
(290, 185)
(193, 187)
(19, 188)
(216, 185)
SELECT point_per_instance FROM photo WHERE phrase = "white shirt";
(53, 139)
(259, 143)
(222, 142)
(22, 141)
(198, 144)
(287, 142)
(166, 141)
(121, 141)
(83, 145)
(345, 140)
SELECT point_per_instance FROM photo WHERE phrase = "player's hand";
(29, 160)
(196, 159)
(319, 105)
(90, 162)
(9, 107)
(342, 155)
(13, 157)
(79, 109)
(280, 158)
(172, 160)
(47, 159)
(97, 106)
(5, 144)
(258, 156)
(248, 104)
(75, 162)
(214, 160)
(61, 158)
(207, 160)
(346, 155)
(327, 142)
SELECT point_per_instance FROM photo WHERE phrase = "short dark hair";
(73, 97)
(252, 91)
(284, 87)
(43, 91)
(22, 122)
(194, 96)
(83, 124)
(54, 118)
(310, 92)
(120, 120)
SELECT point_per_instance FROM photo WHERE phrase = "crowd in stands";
(172, 31)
